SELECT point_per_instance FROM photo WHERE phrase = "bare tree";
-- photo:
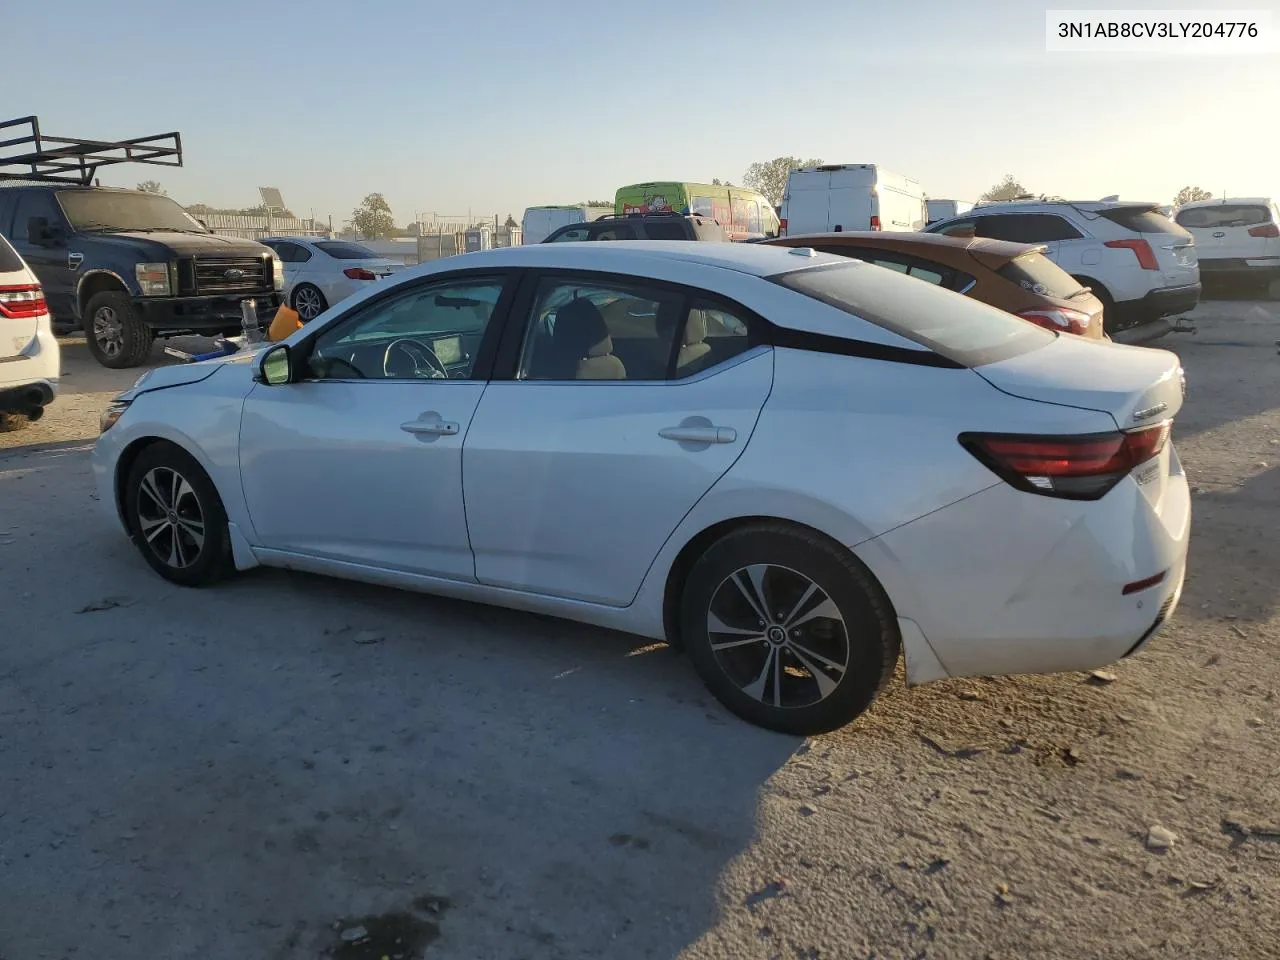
(152, 186)
(770, 176)
(1190, 195)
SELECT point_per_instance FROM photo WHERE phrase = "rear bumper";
(203, 313)
(1262, 269)
(1006, 582)
(1168, 301)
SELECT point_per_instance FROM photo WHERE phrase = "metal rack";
(40, 158)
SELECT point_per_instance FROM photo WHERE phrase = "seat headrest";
(580, 328)
(601, 349)
(695, 331)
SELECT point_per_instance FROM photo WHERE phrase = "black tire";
(199, 560)
(867, 640)
(311, 295)
(115, 332)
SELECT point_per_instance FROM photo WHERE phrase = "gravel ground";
(266, 768)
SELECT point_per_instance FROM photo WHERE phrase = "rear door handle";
(699, 434)
(436, 428)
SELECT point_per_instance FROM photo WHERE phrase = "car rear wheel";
(788, 630)
(115, 332)
(308, 301)
(176, 518)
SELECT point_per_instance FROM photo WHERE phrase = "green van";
(743, 213)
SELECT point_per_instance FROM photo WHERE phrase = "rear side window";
(570, 235)
(9, 259)
(344, 251)
(1142, 221)
(1026, 228)
(1225, 215)
(958, 328)
(1040, 275)
(666, 230)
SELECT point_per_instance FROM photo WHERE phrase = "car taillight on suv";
(23, 300)
(782, 227)
(1268, 230)
(875, 222)
(1080, 467)
(1059, 319)
(1141, 249)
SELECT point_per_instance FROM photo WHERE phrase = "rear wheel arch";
(699, 543)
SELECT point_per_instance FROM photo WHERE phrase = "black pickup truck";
(129, 266)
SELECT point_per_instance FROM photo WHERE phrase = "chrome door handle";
(437, 428)
(699, 434)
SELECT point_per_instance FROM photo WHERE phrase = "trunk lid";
(1138, 386)
(1174, 247)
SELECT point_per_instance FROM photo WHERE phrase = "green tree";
(770, 176)
(1190, 195)
(1007, 189)
(372, 219)
(152, 186)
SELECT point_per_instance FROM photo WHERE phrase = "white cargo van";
(540, 222)
(850, 196)
(945, 209)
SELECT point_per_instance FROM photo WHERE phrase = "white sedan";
(319, 273)
(792, 465)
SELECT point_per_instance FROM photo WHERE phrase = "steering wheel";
(426, 365)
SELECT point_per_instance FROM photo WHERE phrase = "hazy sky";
(489, 106)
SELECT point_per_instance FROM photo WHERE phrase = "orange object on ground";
(286, 322)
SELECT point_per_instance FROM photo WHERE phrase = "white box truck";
(851, 196)
(539, 222)
(946, 209)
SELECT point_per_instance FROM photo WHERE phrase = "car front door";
(616, 405)
(50, 254)
(360, 459)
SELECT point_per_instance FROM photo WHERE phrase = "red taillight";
(1265, 230)
(1059, 319)
(782, 227)
(1141, 249)
(1081, 467)
(22, 300)
(360, 273)
(875, 222)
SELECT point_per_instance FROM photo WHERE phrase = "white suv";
(1140, 264)
(1238, 240)
(29, 357)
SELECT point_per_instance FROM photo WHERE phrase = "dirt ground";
(263, 769)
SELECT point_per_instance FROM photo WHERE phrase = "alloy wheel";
(778, 636)
(108, 332)
(307, 302)
(170, 517)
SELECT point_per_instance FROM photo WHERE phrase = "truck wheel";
(116, 335)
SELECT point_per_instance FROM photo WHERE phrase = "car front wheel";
(175, 516)
(787, 629)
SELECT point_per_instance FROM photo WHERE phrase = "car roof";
(1260, 201)
(749, 258)
(292, 239)
(1087, 206)
(871, 238)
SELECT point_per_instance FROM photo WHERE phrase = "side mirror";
(275, 366)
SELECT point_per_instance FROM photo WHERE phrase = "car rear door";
(1231, 231)
(573, 485)
(807, 204)
(55, 262)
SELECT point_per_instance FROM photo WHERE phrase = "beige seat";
(695, 346)
(600, 363)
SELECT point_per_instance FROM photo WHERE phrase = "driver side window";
(426, 332)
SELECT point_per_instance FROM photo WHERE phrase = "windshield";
(345, 251)
(109, 210)
(953, 326)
